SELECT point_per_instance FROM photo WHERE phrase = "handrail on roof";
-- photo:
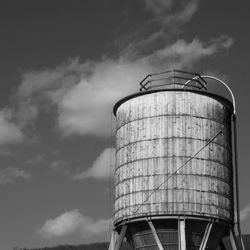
(173, 78)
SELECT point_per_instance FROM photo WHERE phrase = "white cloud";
(102, 168)
(33, 82)
(87, 107)
(64, 224)
(10, 174)
(171, 12)
(82, 94)
(184, 15)
(245, 213)
(83, 102)
(169, 17)
(74, 222)
(9, 131)
(182, 54)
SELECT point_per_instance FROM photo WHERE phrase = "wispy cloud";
(184, 54)
(102, 168)
(11, 174)
(35, 160)
(9, 131)
(5, 151)
(245, 213)
(158, 6)
(81, 94)
(174, 13)
(60, 166)
(74, 222)
(83, 101)
(168, 19)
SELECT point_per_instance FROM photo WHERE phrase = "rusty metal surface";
(156, 134)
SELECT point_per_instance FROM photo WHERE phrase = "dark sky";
(63, 66)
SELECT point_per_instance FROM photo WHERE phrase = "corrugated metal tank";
(159, 132)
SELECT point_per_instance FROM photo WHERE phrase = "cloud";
(167, 22)
(72, 222)
(36, 160)
(5, 151)
(33, 94)
(10, 174)
(9, 131)
(171, 12)
(102, 168)
(184, 15)
(60, 166)
(63, 75)
(182, 54)
(158, 6)
(83, 102)
(81, 94)
(87, 107)
(245, 213)
(64, 224)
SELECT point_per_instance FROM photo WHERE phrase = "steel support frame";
(222, 246)
(117, 239)
(233, 239)
(182, 234)
(156, 237)
(206, 236)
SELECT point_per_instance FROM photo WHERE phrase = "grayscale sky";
(63, 64)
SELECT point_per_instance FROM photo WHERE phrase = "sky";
(63, 65)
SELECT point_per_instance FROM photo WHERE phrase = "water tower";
(176, 166)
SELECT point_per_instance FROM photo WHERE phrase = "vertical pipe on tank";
(237, 181)
(235, 155)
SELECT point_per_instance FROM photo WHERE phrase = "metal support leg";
(233, 240)
(121, 237)
(151, 225)
(117, 239)
(182, 235)
(112, 241)
(206, 236)
(222, 246)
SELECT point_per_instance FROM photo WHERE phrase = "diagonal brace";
(206, 236)
(156, 237)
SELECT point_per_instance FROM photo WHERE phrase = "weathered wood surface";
(156, 134)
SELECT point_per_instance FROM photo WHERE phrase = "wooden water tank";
(161, 131)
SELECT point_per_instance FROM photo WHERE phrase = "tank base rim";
(225, 222)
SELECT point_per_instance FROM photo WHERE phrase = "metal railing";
(173, 79)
